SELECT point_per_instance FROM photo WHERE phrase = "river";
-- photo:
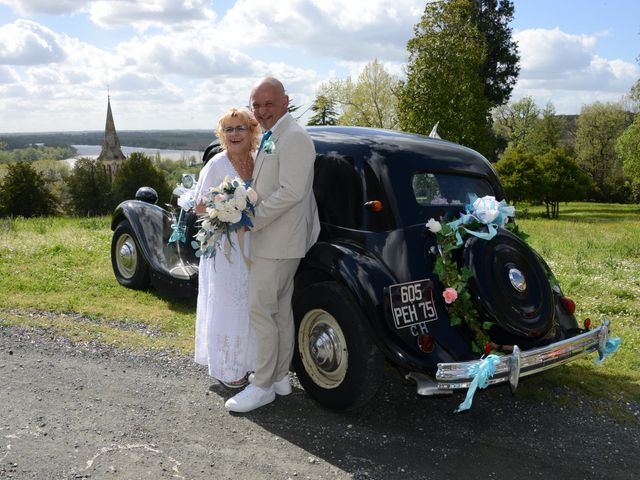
(92, 151)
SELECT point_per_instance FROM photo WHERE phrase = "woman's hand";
(201, 208)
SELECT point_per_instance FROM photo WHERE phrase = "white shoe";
(250, 398)
(282, 387)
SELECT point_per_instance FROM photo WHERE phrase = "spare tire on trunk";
(510, 288)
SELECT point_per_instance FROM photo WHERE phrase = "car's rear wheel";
(129, 266)
(335, 359)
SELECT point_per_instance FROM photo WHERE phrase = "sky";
(170, 64)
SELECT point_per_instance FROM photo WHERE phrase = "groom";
(284, 228)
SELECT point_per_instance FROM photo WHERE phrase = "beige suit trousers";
(270, 292)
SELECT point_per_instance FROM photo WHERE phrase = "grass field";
(55, 273)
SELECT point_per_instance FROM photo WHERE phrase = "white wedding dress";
(224, 338)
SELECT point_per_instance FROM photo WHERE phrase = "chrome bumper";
(522, 363)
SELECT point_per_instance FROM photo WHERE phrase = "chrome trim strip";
(521, 363)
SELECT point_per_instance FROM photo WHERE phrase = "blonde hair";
(247, 118)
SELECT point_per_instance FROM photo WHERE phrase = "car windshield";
(435, 189)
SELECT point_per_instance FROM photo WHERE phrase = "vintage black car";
(366, 293)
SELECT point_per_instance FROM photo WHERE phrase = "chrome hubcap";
(126, 256)
(323, 348)
(517, 280)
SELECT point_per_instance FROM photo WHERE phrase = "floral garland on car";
(481, 219)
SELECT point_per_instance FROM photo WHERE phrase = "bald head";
(269, 101)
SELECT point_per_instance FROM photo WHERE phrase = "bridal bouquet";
(229, 208)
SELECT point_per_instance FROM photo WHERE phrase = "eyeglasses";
(238, 129)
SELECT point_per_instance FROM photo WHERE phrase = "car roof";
(421, 151)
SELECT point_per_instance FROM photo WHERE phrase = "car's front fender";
(172, 265)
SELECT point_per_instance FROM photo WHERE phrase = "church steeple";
(111, 151)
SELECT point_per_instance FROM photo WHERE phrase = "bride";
(224, 339)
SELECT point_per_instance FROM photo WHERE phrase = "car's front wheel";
(129, 266)
(335, 359)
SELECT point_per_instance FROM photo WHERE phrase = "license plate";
(412, 303)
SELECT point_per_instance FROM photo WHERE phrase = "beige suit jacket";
(286, 221)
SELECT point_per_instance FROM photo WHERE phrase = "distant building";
(111, 154)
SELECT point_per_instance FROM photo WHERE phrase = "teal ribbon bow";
(482, 371)
(505, 211)
(610, 347)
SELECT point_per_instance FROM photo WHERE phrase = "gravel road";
(71, 411)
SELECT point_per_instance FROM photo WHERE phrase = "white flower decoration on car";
(486, 209)
(433, 225)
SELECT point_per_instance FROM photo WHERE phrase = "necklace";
(244, 167)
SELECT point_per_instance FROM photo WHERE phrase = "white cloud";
(121, 13)
(150, 13)
(355, 30)
(28, 43)
(190, 53)
(58, 7)
(564, 68)
(8, 75)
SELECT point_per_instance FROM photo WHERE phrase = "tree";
(515, 122)
(24, 192)
(563, 180)
(443, 83)
(370, 101)
(324, 111)
(545, 135)
(89, 187)
(521, 176)
(500, 69)
(55, 174)
(138, 171)
(599, 126)
(628, 150)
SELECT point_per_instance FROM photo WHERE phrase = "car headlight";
(187, 180)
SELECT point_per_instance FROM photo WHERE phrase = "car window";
(434, 189)
(338, 190)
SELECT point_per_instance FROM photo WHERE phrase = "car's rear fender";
(356, 270)
(366, 278)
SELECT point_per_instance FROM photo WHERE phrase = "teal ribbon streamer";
(482, 371)
(610, 347)
(178, 230)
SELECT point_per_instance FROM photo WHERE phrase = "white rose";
(240, 192)
(486, 209)
(433, 225)
(223, 216)
(241, 203)
(213, 213)
(235, 216)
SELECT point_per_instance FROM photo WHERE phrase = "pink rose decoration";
(450, 295)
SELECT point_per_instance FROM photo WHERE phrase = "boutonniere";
(269, 147)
